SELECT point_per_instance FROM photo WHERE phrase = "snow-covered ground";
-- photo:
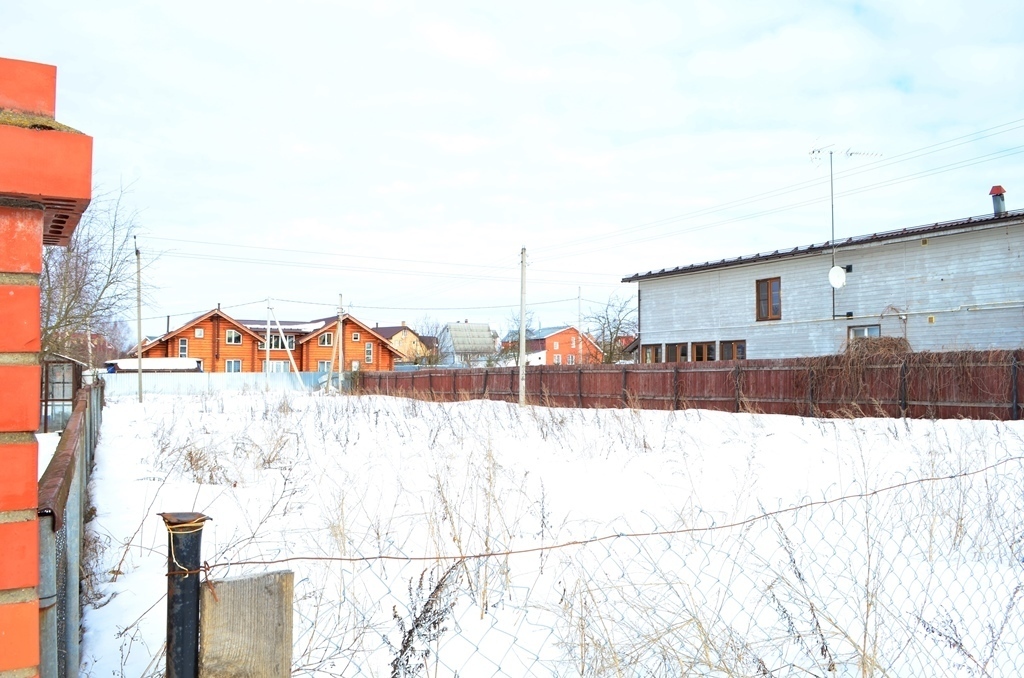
(614, 542)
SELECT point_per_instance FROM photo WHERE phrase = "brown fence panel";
(775, 387)
(977, 385)
(602, 386)
(707, 386)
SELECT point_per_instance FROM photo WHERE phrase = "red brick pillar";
(20, 261)
(45, 185)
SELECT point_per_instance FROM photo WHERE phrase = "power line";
(811, 183)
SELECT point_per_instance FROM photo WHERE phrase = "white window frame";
(277, 345)
(323, 366)
(233, 361)
(325, 339)
(555, 346)
(182, 347)
(570, 359)
(863, 331)
(233, 334)
(277, 366)
(355, 337)
(572, 342)
(368, 358)
(199, 333)
(557, 359)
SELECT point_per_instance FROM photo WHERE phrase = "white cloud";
(461, 44)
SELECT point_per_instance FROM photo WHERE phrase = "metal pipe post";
(184, 538)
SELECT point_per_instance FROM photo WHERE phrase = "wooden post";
(246, 627)
(736, 386)
(486, 397)
(579, 386)
(675, 387)
(1015, 412)
(625, 393)
(903, 388)
(810, 392)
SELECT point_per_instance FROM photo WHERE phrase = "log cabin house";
(224, 344)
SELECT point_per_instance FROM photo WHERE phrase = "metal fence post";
(184, 539)
(47, 597)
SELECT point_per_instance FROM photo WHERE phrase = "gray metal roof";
(985, 220)
(471, 337)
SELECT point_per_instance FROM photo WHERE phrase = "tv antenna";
(836, 274)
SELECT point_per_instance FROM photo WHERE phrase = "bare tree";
(429, 331)
(508, 354)
(614, 326)
(89, 284)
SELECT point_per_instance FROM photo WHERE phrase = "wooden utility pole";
(138, 306)
(522, 327)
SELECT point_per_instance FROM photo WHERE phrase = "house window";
(572, 342)
(355, 336)
(233, 337)
(650, 353)
(570, 359)
(326, 339)
(865, 331)
(769, 299)
(234, 365)
(703, 351)
(734, 350)
(555, 346)
(277, 366)
(323, 366)
(369, 353)
(277, 344)
(675, 353)
(182, 348)
(557, 358)
(199, 332)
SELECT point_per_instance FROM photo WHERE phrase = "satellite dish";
(837, 276)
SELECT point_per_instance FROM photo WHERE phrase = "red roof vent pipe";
(998, 200)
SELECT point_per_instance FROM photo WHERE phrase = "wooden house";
(224, 344)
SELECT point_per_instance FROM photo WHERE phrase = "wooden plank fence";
(972, 385)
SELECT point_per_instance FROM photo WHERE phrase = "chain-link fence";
(483, 539)
(62, 502)
(924, 578)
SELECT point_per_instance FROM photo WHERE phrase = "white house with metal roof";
(945, 286)
(466, 344)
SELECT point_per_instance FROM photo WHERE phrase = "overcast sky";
(401, 154)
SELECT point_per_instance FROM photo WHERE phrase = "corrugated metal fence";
(62, 501)
(127, 383)
(974, 385)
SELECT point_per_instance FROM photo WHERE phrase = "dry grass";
(31, 121)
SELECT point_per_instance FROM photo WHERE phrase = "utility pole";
(336, 351)
(266, 350)
(522, 327)
(579, 325)
(138, 306)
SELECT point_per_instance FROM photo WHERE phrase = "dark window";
(734, 350)
(675, 353)
(769, 299)
(703, 351)
(650, 353)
